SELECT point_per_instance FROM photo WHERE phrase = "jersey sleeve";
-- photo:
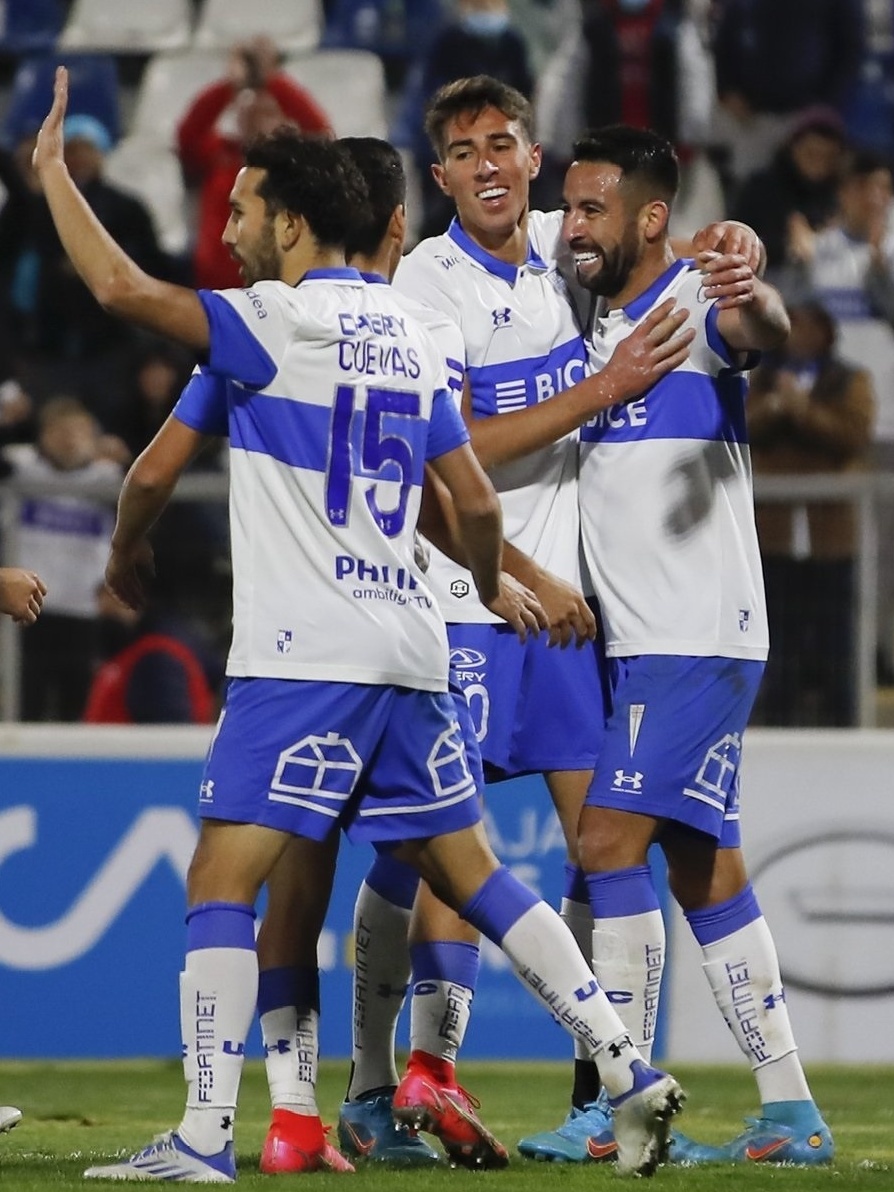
(249, 330)
(446, 431)
(203, 404)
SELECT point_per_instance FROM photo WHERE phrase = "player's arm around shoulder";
(754, 321)
(114, 279)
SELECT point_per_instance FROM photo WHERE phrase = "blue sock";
(622, 892)
(716, 922)
(393, 880)
(498, 904)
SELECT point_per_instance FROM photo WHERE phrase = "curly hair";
(312, 176)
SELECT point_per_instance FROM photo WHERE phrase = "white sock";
(218, 991)
(381, 973)
(743, 971)
(292, 1069)
(538, 943)
(578, 918)
(628, 960)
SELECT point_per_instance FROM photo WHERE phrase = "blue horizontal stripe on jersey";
(446, 431)
(59, 518)
(203, 404)
(683, 405)
(515, 384)
(846, 303)
(299, 434)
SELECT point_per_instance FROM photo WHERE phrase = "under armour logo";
(615, 1048)
(632, 782)
(501, 317)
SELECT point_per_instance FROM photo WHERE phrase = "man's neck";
(297, 264)
(380, 263)
(511, 246)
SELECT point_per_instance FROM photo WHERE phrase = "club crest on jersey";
(502, 316)
(284, 641)
(459, 588)
(744, 619)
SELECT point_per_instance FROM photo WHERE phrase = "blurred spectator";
(480, 39)
(774, 59)
(808, 411)
(254, 98)
(849, 267)
(803, 177)
(151, 673)
(869, 110)
(63, 336)
(64, 534)
(620, 61)
(397, 30)
(158, 372)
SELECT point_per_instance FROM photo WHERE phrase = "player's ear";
(440, 176)
(397, 225)
(535, 161)
(289, 228)
(654, 218)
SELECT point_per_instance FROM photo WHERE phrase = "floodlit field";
(77, 1114)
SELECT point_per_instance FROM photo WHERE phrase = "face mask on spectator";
(485, 24)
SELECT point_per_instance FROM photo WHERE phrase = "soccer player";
(669, 537)
(526, 392)
(21, 597)
(338, 661)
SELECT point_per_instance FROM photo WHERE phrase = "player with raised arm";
(526, 391)
(335, 401)
(677, 573)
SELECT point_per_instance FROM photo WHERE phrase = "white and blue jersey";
(522, 346)
(335, 401)
(667, 512)
(668, 527)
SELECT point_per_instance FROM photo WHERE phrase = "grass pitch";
(77, 1114)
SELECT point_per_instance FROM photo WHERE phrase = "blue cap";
(87, 128)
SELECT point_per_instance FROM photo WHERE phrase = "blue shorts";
(383, 763)
(673, 742)
(534, 708)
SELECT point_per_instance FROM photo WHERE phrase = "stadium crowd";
(796, 150)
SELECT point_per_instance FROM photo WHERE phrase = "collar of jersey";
(646, 300)
(374, 279)
(336, 273)
(491, 263)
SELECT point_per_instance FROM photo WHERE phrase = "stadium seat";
(28, 28)
(169, 83)
(152, 173)
(128, 26)
(350, 87)
(295, 25)
(93, 91)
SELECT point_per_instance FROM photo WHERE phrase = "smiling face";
(250, 232)
(486, 168)
(602, 226)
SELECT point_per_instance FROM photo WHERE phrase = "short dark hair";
(864, 162)
(472, 95)
(641, 155)
(382, 170)
(309, 175)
